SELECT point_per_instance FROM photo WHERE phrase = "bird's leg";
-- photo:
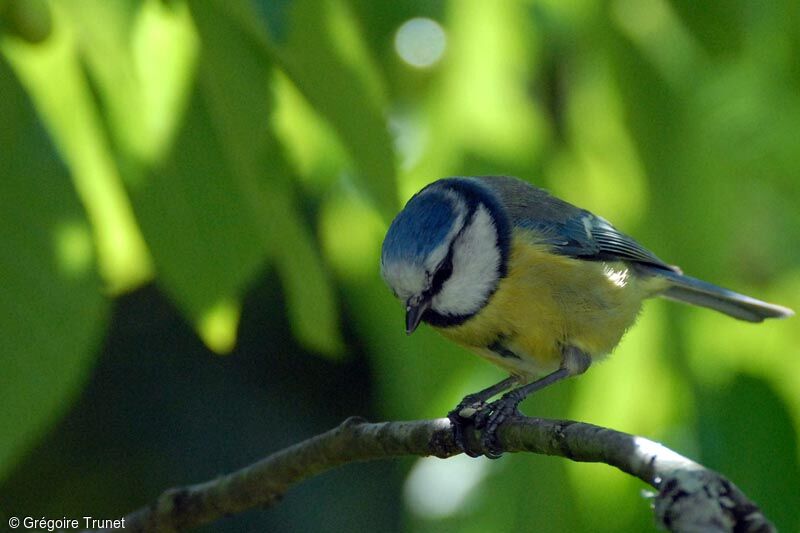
(573, 362)
(471, 404)
(476, 400)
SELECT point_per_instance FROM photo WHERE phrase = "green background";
(192, 200)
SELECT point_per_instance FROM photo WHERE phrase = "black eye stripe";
(443, 273)
(445, 268)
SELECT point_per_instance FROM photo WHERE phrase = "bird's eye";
(443, 273)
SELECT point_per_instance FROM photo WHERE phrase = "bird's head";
(446, 251)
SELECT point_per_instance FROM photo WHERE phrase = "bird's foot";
(486, 417)
(488, 420)
(462, 416)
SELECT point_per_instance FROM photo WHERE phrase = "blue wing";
(568, 229)
(593, 238)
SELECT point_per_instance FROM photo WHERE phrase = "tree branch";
(690, 497)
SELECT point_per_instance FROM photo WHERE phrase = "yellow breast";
(548, 301)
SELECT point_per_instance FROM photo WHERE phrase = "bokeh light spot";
(437, 489)
(73, 245)
(420, 42)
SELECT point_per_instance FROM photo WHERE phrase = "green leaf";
(312, 304)
(205, 246)
(220, 206)
(27, 19)
(321, 49)
(719, 26)
(52, 314)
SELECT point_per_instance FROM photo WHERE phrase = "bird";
(532, 283)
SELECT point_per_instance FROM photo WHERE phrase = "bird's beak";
(415, 308)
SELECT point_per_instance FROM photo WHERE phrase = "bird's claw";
(489, 419)
(484, 417)
(460, 417)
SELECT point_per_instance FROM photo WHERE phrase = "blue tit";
(532, 283)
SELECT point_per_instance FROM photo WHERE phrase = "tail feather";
(697, 292)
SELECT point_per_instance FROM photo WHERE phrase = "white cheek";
(476, 265)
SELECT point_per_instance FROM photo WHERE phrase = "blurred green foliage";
(198, 169)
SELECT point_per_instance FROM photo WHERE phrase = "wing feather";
(570, 230)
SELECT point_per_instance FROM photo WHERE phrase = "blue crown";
(420, 227)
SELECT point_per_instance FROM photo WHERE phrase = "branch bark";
(690, 497)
